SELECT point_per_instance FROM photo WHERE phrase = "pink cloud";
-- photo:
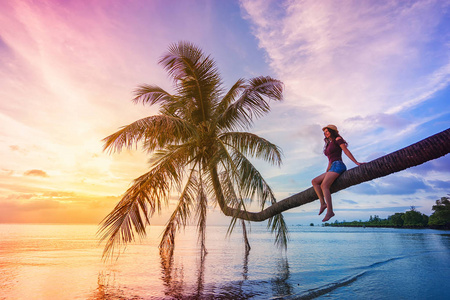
(38, 173)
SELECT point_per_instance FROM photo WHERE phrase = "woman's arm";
(329, 166)
(349, 154)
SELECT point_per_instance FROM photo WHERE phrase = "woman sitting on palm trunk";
(334, 145)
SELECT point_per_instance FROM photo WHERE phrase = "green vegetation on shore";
(439, 219)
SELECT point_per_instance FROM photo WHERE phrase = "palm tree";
(198, 148)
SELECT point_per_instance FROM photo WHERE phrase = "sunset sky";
(379, 70)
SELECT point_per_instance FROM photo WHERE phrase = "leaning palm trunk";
(428, 149)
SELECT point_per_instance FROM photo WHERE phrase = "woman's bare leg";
(328, 180)
(316, 182)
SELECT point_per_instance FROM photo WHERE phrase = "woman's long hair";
(334, 135)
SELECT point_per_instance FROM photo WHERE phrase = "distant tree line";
(439, 219)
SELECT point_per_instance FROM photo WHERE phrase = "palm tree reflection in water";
(241, 289)
(177, 287)
(280, 284)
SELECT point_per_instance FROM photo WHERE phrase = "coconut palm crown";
(199, 150)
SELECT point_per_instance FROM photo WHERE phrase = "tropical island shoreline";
(367, 224)
(440, 219)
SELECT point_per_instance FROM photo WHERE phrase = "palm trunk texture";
(416, 154)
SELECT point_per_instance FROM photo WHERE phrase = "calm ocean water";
(64, 262)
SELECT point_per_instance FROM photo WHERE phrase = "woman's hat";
(331, 127)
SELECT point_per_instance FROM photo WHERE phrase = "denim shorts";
(338, 166)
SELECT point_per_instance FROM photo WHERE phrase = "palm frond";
(130, 215)
(244, 176)
(252, 144)
(152, 94)
(156, 132)
(122, 222)
(184, 62)
(229, 188)
(278, 225)
(234, 201)
(180, 60)
(195, 76)
(228, 119)
(252, 103)
(230, 195)
(147, 195)
(180, 215)
(170, 105)
(268, 87)
(251, 182)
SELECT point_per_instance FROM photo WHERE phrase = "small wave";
(322, 290)
(314, 293)
(380, 263)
